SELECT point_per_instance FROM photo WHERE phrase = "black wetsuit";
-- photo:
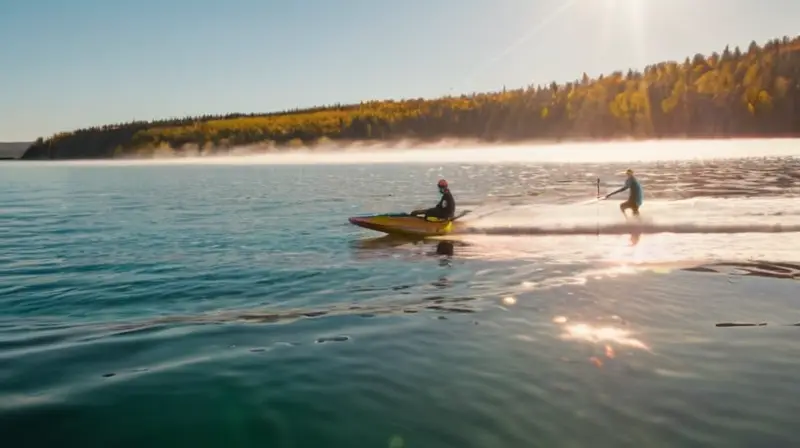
(445, 209)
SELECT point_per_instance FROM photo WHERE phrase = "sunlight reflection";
(654, 248)
(509, 300)
(595, 335)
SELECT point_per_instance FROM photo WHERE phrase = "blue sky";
(66, 64)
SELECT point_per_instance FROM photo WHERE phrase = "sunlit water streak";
(227, 302)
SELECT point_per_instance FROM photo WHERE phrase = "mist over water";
(227, 301)
(464, 151)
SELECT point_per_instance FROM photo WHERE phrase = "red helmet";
(442, 183)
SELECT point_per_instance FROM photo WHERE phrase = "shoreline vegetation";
(13, 150)
(733, 94)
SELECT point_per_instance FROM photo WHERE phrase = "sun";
(614, 3)
(633, 13)
(633, 9)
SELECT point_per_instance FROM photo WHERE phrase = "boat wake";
(630, 228)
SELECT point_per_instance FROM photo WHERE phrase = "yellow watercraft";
(408, 225)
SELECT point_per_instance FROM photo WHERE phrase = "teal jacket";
(637, 192)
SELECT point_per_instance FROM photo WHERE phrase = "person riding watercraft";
(636, 196)
(445, 209)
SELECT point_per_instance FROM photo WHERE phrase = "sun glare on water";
(610, 334)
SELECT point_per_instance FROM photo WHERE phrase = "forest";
(728, 94)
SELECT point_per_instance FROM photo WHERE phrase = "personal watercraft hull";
(407, 225)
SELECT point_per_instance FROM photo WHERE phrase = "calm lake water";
(228, 302)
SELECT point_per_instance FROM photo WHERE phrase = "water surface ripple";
(210, 305)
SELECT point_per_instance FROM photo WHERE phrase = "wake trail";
(628, 228)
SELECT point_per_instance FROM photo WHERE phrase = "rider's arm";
(624, 187)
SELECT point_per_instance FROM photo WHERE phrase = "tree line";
(734, 93)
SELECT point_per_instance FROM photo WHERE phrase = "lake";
(228, 301)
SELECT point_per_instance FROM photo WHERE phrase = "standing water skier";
(636, 195)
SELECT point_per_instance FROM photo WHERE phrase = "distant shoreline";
(13, 150)
(377, 147)
(734, 94)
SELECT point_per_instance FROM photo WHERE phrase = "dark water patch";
(450, 309)
(752, 324)
(776, 270)
(443, 299)
(700, 269)
(357, 289)
(332, 339)
(741, 324)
